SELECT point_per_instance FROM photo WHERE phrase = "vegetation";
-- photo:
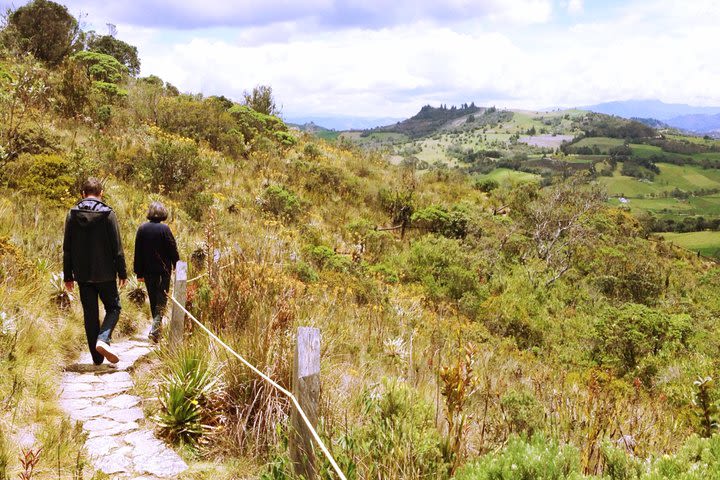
(475, 325)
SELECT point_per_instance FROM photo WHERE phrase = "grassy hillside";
(466, 323)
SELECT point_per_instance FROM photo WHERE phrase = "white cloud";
(575, 7)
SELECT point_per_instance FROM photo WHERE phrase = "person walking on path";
(93, 257)
(155, 257)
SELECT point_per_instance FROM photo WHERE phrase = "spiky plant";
(59, 295)
(135, 291)
(190, 392)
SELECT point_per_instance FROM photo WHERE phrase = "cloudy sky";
(386, 58)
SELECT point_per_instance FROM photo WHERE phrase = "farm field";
(688, 178)
(603, 143)
(505, 175)
(707, 243)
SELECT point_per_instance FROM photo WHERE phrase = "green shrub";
(281, 202)
(326, 258)
(443, 266)
(538, 458)
(397, 440)
(304, 272)
(175, 164)
(625, 336)
(452, 223)
(197, 204)
(486, 185)
(524, 414)
(48, 176)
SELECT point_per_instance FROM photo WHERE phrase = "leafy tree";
(261, 100)
(45, 29)
(123, 52)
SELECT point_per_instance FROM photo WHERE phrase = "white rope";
(274, 384)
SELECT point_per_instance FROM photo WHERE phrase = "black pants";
(108, 293)
(158, 286)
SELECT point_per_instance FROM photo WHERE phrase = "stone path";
(118, 444)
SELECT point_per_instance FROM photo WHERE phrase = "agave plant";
(135, 292)
(190, 393)
(59, 295)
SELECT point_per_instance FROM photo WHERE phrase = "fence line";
(262, 375)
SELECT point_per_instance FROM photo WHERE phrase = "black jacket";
(92, 248)
(155, 249)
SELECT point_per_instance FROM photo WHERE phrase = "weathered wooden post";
(177, 319)
(306, 388)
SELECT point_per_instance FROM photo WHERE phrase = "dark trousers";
(158, 285)
(108, 293)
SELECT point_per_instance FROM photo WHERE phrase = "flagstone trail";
(118, 442)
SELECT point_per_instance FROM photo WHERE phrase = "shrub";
(524, 460)
(524, 414)
(486, 185)
(326, 258)
(626, 335)
(452, 223)
(175, 164)
(304, 272)
(48, 176)
(281, 202)
(443, 266)
(398, 438)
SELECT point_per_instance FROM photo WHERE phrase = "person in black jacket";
(93, 257)
(155, 258)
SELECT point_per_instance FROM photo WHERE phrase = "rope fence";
(257, 371)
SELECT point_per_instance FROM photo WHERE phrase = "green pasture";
(505, 175)
(707, 243)
(603, 143)
(688, 178)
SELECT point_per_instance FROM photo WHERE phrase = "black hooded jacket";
(92, 249)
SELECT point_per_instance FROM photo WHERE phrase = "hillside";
(497, 319)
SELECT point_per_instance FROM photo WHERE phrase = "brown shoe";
(104, 349)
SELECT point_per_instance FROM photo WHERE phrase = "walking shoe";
(104, 349)
(154, 337)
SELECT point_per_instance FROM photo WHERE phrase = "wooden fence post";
(306, 388)
(177, 319)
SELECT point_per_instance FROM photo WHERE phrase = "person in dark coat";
(155, 258)
(93, 257)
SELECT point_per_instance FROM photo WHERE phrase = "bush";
(486, 185)
(625, 336)
(326, 258)
(538, 458)
(452, 223)
(523, 412)
(174, 164)
(48, 176)
(443, 266)
(281, 202)
(397, 440)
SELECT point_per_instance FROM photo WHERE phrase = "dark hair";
(157, 211)
(92, 186)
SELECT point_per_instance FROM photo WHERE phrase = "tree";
(123, 52)
(45, 29)
(261, 100)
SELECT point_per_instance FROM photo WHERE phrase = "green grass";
(329, 135)
(688, 178)
(645, 151)
(603, 143)
(505, 175)
(707, 243)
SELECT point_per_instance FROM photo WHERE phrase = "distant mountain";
(686, 117)
(697, 123)
(344, 123)
(650, 109)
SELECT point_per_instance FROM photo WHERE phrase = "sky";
(387, 58)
